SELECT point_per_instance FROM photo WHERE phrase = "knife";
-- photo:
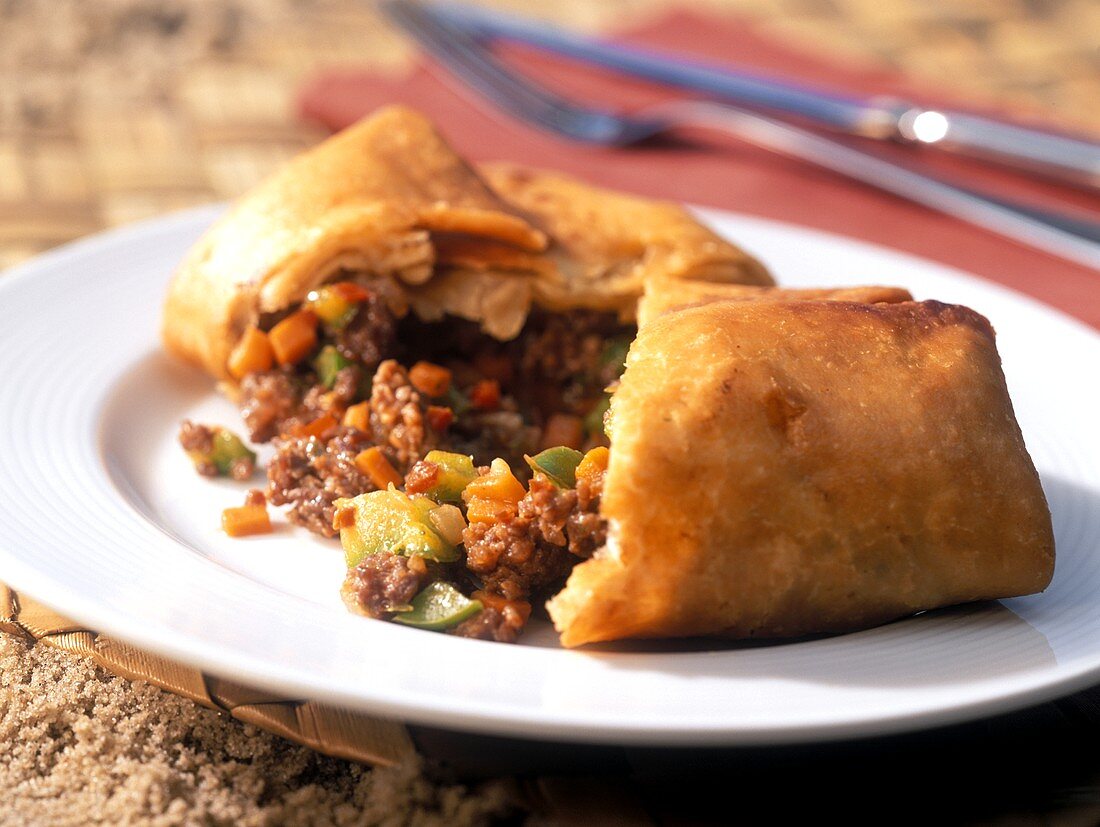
(1063, 157)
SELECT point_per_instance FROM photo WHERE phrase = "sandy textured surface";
(81, 746)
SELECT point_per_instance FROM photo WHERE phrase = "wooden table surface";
(116, 111)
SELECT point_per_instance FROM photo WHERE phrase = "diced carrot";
(374, 464)
(295, 337)
(350, 291)
(430, 379)
(563, 429)
(358, 416)
(500, 484)
(440, 418)
(245, 520)
(485, 395)
(316, 427)
(483, 510)
(498, 366)
(252, 354)
(594, 463)
(496, 601)
(343, 517)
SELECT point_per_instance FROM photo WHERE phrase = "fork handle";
(997, 216)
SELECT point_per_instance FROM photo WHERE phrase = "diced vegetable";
(315, 427)
(439, 606)
(489, 511)
(614, 354)
(374, 464)
(439, 417)
(390, 521)
(358, 416)
(559, 465)
(335, 304)
(593, 422)
(594, 463)
(252, 354)
(456, 401)
(448, 521)
(456, 471)
(500, 484)
(227, 450)
(485, 395)
(563, 429)
(245, 520)
(328, 363)
(430, 379)
(294, 338)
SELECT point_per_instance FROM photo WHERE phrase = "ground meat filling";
(502, 625)
(381, 584)
(586, 529)
(533, 550)
(398, 415)
(199, 439)
(310, 473)
(371, 335)
(320, 400)
(269, 400)
(564, 360)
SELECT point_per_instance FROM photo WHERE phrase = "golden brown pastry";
(784, 468)
(388, 199)
(606, 244)
(662, 295)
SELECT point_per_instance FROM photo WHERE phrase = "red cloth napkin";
(710, 171)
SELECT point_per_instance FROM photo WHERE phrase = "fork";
(472, 62)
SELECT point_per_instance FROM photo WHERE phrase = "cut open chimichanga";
(782, 461)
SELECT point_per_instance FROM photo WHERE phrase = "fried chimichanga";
(787, 468)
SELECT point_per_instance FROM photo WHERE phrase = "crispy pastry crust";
(389, 198)
(608, 244)
(663, 295)
(366, 200)
(786, 468)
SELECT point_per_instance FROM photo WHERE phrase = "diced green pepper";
(439, 606)
(614, 354)
(558, 464)
(456, 400)
(593, 422)
(456, 471)
(227, 449)
(395, 522)
(328, 363)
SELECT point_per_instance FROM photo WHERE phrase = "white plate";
(102, 518)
